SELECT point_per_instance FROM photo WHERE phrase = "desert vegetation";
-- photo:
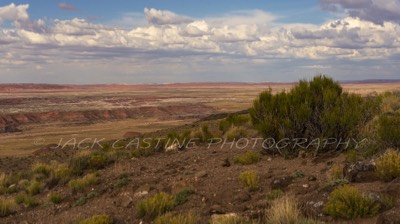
(218, 179)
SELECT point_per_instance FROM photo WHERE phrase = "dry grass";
(171, 218)
(283, 210)
(250, 179)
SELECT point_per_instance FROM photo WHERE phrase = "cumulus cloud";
(377, 11)
(14, 12)
(160, 17)
(67, 7)
(239, 38)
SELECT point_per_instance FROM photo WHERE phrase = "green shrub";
(156, 205)
(298, 174)
(171, 218)
(347, 202)
(7, 207)
(55, 198)
(337, 182)
(98, 219)
(249, 157)
(121, 182)
(182, 196)
(84, 199)
(388, 165)
(250, 179)
(389, 129)
(274, 194)
(80, 184)
(35, 188)
(26, 199)
(316, 109)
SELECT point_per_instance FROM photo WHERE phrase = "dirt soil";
(205, 169)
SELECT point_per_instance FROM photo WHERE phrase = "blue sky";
(203, 41)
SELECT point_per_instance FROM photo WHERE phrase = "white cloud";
(14, 12)
(160, 17)
(235, 38)
(377, 11)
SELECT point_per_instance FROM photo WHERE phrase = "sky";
(155, 41)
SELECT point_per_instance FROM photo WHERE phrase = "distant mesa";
(132, 134)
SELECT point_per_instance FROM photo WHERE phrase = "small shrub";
(7, 207)
(182, 197)
(283, 210)
(249, 157)
(55, 198)
(336, 172)
(235, 133)
(231, 219)
(274, 194)
(388, 165)
(347, 202)
(62, 173)
(26, 199)
(35, 188)
(298, 174)
(121, 182)
(250, 179)
(82, 183)
(79, 163)
(42, 169)
(156, 205)
(98, 161)
(98, 219)
(171, 218)
(337, 182)
(84, 199)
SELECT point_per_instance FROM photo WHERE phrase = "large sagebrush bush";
(312, 109)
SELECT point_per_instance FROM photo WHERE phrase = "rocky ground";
(213, 175)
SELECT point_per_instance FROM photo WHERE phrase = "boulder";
(360, 172)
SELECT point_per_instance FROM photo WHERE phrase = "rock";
(226, 163)
(125, 200)
(281, 182)
(142, 191)
(389, 217)
(312, 178)
(216, 209)
(360, 172)
(172, 148)
(200, 174)
(221, 219)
